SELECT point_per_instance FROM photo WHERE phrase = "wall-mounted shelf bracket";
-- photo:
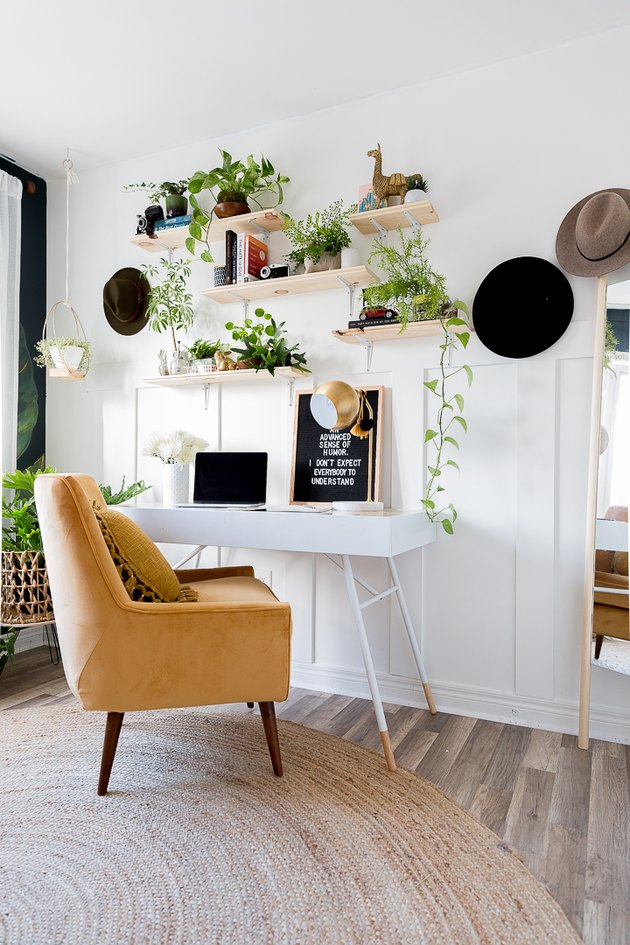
(261, 230)
(170, 255)
(291, 386)
(351, 287)
(369, 350)
(411, 220)
(381, 232)
(206, 396)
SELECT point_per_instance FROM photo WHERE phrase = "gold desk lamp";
(336, 405)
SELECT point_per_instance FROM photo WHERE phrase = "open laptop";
(229, 480)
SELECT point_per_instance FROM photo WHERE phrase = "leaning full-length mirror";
(611, 617)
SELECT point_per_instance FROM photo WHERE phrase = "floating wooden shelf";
(292, 285)
(175, 238)
(222, 377)
(373, 222)
(357, 336)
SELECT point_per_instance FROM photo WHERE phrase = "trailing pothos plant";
(449, 418)
(418, 293)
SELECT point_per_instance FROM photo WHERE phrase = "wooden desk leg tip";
(387, 751)
(429, 697)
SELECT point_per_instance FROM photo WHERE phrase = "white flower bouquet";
(178, 448)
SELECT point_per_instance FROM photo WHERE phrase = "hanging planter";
(67, 358)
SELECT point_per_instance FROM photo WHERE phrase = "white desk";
(375, 534)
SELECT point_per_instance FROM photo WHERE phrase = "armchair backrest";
(84, 583)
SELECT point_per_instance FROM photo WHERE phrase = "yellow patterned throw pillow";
(142, 567)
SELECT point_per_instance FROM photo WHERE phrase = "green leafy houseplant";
(159, 191)
(449, 416)
(410, 285)
(125, 493)
(202, 350)
(417, 182)
(232, 181)
(49, 347)
(416, 291)
(21, 541)
(326, 231)
(264, 345)
(170, 304)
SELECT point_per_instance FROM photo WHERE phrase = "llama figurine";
(393, 186)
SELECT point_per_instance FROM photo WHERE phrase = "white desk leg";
(406, 616)
(353, 598)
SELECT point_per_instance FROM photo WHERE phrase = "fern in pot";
(319, 239)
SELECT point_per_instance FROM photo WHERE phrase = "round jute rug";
(199, 844)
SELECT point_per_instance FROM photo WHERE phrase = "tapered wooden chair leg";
(598, 646)
(268, 715)
(110, 742)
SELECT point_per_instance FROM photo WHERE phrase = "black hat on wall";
(522, 307)
(125, 301)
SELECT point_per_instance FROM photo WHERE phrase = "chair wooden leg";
(112, 731)
(250, 705)
(268, 715)
(598, 646)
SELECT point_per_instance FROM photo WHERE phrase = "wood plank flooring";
(566, 811)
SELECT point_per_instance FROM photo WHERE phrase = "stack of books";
(245, 255)
(368, 323)
(172, 222)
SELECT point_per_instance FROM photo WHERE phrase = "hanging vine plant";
(418, 293)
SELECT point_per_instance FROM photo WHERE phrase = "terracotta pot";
(230, 208)
(248, 364)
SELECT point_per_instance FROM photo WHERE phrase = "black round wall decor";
(522, 307)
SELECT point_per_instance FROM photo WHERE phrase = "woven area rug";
(199, 844)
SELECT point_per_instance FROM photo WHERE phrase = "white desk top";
(611, 535)
(374, 534)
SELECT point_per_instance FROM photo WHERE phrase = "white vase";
(415, 196)
(68, 356)
(326, 261)
(350, 257)
(175, 484)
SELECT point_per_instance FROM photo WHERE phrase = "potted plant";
(413, 288)
(417, 188)
(172, 192)
(319, 238)
(264, 346)
(25, 594)
(125, 493)
(71, 353)
(234, 186)
(202, 355)
(177, 452)
(170, 305)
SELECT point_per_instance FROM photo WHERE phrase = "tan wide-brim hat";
(125, 300)
(593, 238)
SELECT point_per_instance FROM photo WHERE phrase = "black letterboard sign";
(332, 465)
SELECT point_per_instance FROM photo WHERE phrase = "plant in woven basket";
(25, 595)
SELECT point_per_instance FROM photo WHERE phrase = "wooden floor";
(566, 811)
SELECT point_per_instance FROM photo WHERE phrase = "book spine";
(373, 322)
(228, 256)
(234, 244)
(257, 256)
(240, 257)
(172, 223)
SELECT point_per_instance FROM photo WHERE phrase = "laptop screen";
(231, 478)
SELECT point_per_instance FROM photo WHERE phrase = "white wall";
(508, 150)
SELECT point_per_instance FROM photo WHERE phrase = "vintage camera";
(148, 219)
(274, 271)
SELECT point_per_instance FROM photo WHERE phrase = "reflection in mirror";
(611, 617)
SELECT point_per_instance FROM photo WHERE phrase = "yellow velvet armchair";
(120, 655)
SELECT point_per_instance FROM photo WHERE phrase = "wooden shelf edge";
(175, 237)
(421, 329)
(220, 377)
(370, 222)
(292, 285)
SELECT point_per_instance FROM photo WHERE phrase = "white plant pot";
(350, 257)
(175, 484)
(415, 196)
(325, 261)
(69, 356)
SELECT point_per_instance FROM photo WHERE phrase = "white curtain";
(10, 236)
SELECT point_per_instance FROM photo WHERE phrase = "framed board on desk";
(334, 465)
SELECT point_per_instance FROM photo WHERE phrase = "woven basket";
(25, 593)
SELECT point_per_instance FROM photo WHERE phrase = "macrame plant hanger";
(66, 361)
